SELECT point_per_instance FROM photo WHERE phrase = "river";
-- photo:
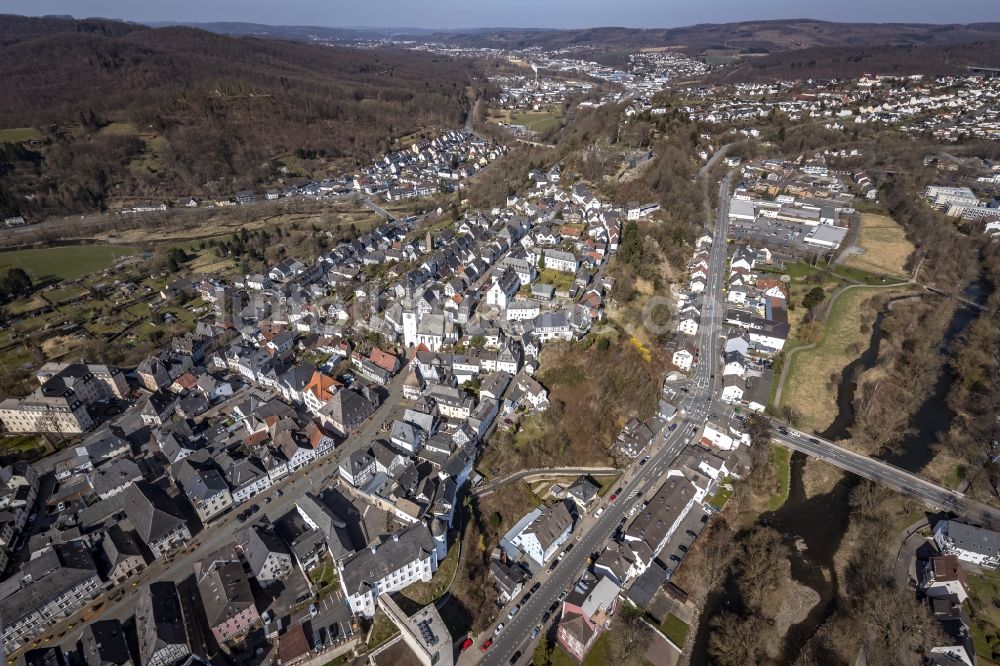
(932, 418)
(811, 543)
(813, 527)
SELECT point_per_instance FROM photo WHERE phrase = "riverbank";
(811, 373)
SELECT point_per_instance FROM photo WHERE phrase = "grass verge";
(675, 629)
(383, 630)
(780, 460)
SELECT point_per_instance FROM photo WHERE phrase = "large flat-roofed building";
(826, 236)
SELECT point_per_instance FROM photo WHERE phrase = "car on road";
(486, 646)
(535, 587)
(783, 430)
(466, 644)
(814, 440)
(496, 632)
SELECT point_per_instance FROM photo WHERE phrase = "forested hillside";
(839, 62)
(100, 109)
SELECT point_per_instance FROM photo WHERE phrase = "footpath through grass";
(811, 384)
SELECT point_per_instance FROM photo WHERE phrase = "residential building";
(586, 612)
(407, 556)
(47, 589)
(227, 599)
(103, 643)
(159, 624)
(550, 528)
(976, 545)
(268, 556)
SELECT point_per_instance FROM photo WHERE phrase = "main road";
(667, 445)
(888, 475)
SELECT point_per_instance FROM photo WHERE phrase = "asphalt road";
(516, 632)
(698, 401)
(889, 475)
(219, 532)
(592, 533)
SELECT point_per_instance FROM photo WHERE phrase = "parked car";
(537, 630)
(466, 644)
(513, 611)
(535, 587)
(691, 533)
(496, 632)
(486, 646)
(515, 657)
(545, 617)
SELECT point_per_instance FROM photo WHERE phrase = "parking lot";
(773, 234)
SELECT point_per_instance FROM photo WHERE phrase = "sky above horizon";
(458, 14)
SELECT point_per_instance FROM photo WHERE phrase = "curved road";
(491, 486)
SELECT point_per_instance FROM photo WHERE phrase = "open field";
(885, 246)
(19, 134)
(63, 263)
(811, 385)
(533, 121)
